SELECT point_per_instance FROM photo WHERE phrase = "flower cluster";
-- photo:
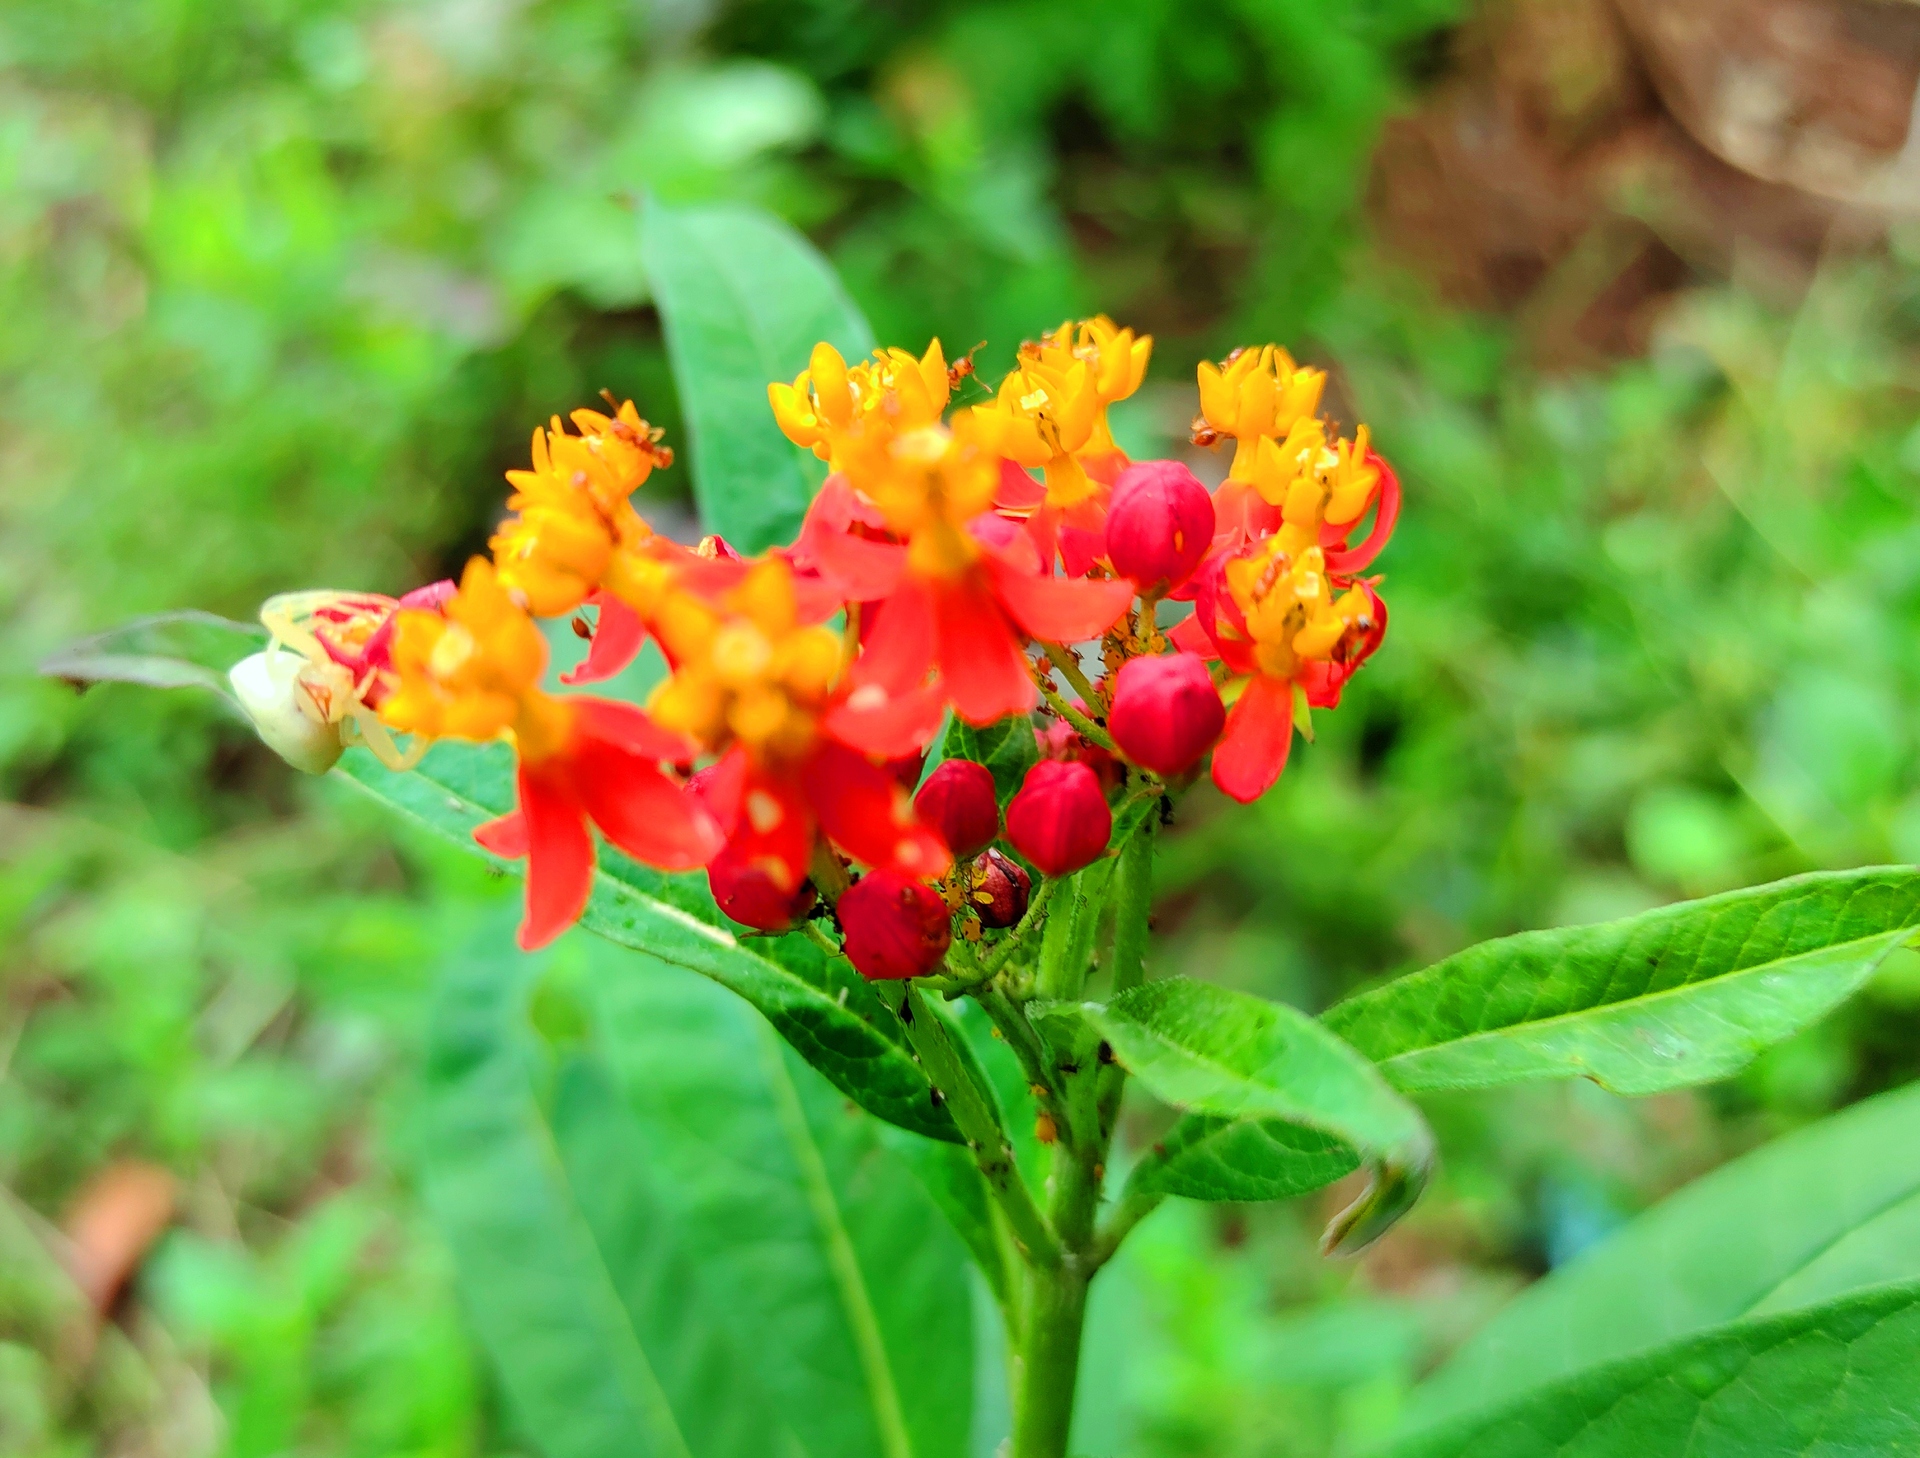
(960, 561)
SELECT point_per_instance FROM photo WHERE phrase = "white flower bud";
(268, 687)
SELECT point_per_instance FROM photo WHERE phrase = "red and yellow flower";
(796, 733)
(472, 672)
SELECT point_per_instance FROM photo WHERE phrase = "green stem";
(1068, 662)
(1036, 913)
(1132, 905)
(1134, 1207)
(1019, 1033)
(980, 1127)
(1049, 1364)
(1083, 726)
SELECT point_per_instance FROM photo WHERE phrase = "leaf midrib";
(1599, 1009)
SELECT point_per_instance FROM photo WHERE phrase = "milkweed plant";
(901, 780)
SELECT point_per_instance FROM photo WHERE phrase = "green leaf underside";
(1214, 1051)
(1206, 1157)
(458, 786)
(167, 650)
(806, 1227)
(1831, 1381)
(1814, 1216)
(604, 1340)
(1681, 995)
(744, 298)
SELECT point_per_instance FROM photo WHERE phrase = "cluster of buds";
(804, 687)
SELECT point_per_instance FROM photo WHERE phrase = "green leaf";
(1829, 1380)
(1677, 996)
(816, 1239)
(1818, 1214)
(816, 1003)
(578, 1286)
(744, 299)
(1215, 1051)
(1006, 746)
(1206, 1157)
(167, 650)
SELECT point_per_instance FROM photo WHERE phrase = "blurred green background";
(286, 284)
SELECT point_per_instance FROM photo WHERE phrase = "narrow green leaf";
(167, 650)
(1215, 1051)
(1206, 1157)
(1677, 996)
(1821, 1382)
(814, 1002)
(582, 1292)
(1823, 1212)
(813, 1234)
(744, 299)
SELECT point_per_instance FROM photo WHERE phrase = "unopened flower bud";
(1166, 712)
(1160, 524)
(1001, 887)
(283, 712)
(1059, 820)
(752, 895)
(960, 802)
(895, 926)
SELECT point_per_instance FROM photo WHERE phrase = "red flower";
(606, 771)
(896, 927)
(1166, 712)
(1160, 524)
(959, 801)
(965, 616)
(1059, 820)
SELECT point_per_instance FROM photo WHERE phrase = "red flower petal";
(980, 657)
(898, 643)
(1190, 637)
(505, 837)
(1058, 609)
(865, 811)
(642, 811)
(616, 638)
(627, 727)
(1355, 559)
(1018, 491)
(559, 857)
(1253, 750)
(889, 725)
(722, 785)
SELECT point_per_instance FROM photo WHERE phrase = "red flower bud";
(1159, 525)
(1166, 712)
(1060, 740)
(1059, 820)
(959, 801)
(751, 896)
(895, 926)
(1001, 887)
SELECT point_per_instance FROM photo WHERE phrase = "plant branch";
(1068, 663)
(1083, 726)
(1134, 1206)
(1035, 914)
(980, 1127)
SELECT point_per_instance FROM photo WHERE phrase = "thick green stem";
(980, 1127)
(1048, 1366)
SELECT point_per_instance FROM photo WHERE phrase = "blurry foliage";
(286, 285)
